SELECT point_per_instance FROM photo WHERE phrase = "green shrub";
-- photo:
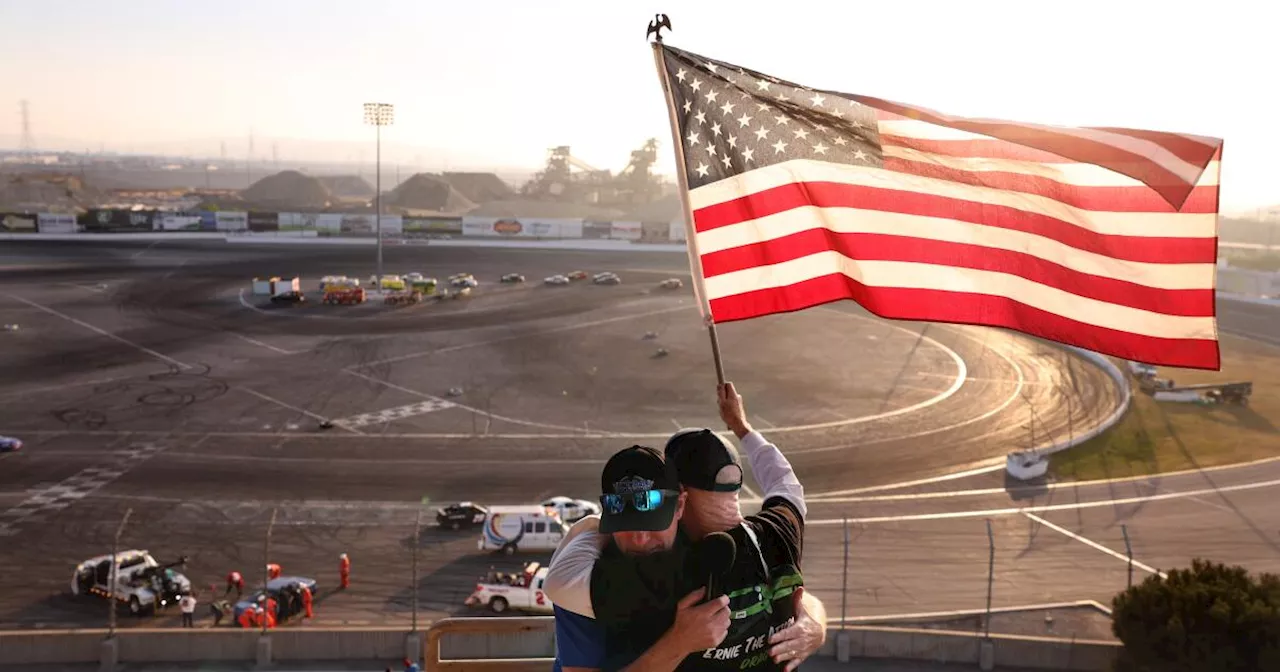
(1209, 618)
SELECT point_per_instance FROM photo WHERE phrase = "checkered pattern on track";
(397, 413)
(46, 501)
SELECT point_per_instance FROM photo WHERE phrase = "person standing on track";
(344, 571)
(188, 606)
(306, 602)
(273, 571)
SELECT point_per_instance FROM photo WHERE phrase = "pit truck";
(522, 591)
(141, 583)
(275, 286)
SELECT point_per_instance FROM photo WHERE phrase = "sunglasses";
(645, 500)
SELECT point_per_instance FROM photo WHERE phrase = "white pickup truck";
(521, 591)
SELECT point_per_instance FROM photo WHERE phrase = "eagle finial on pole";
(659, 22)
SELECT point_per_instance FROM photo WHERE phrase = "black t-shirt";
(761, 586)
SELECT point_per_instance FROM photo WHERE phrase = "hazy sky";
(498, 82)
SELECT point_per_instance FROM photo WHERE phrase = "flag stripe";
(959, 280)
(898, 190)
(1186, 148)
(1146, 160)
(741, 213)
(1099, 198)
(1070, 174)
(966, 308)
(861, 247)
(829, 224)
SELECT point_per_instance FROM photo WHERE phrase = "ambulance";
(522, 528)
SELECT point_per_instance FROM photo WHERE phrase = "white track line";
(66, 386)
(1044, 508)
(94, 329)
(292, 408)
(265, 345)
(1089, 542)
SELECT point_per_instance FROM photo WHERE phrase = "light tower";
(378, 115)
(28, 146)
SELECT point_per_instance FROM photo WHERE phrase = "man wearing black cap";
(763, 584)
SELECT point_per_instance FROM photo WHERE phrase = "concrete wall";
(171, 645)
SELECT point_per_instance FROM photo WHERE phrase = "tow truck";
(142, 583)
(520, 591)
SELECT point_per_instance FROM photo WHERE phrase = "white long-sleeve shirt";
(568, 581)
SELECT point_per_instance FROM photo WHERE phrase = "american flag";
(1103, 238)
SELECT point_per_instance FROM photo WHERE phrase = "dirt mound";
(424, 191)
(288, 189)
(347, 186)
(480, 187)
(45, 191)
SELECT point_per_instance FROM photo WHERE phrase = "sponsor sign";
(117, 221)
(392, 225)
(55, 222)
(208, 221)
(329, 222)
(232, 221)
(522, 227)
(264, 221)
(433, 224)
(360, 225)
(626, 231)
(13, 223)
(169, 221)
(655, 232)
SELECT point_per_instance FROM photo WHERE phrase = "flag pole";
(691, 239)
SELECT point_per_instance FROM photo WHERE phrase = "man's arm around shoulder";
(568, 581)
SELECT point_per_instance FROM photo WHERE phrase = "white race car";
(671, 283)
(570, 509)
(607, 279)
(557, 280)
(461, 280)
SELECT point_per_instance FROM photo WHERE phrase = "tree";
(1210, 617)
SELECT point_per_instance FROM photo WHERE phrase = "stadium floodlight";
(378, 115)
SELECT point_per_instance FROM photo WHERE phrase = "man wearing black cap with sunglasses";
(627, 589)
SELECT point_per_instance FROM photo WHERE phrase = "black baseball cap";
(629, 479)
(698, 456)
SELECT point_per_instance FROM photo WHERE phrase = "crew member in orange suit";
(247, 618)
(273, 571)
(306, 600)
(234, 580)
(271, 607)
(344, 570)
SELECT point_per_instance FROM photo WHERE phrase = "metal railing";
(486, 626)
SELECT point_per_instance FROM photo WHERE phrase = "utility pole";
(28, 145)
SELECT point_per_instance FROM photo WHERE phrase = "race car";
(607, 279)
(571, 510)
(290, 297)
(671, 283)
(413, 277)
(8, 444)
(392, 282)
(140, 582)
(275, 588)
(460, 515)
(513, 277)
(577, 275)
(463, 280)
(556, 280)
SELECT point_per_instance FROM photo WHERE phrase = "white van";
(522, 528)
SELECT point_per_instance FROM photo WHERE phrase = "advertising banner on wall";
(392, 225)
(677, 232)
(117, 221)
(522, 227)
(168, 221)
(357, 225)
(15, 223)
(56, 222)
(433, 225)
(209, 221)
(626, 231)
(328, 223)
(264, 221)
(232, 221)
(596, 230)
(296, 221)
(655, 232)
